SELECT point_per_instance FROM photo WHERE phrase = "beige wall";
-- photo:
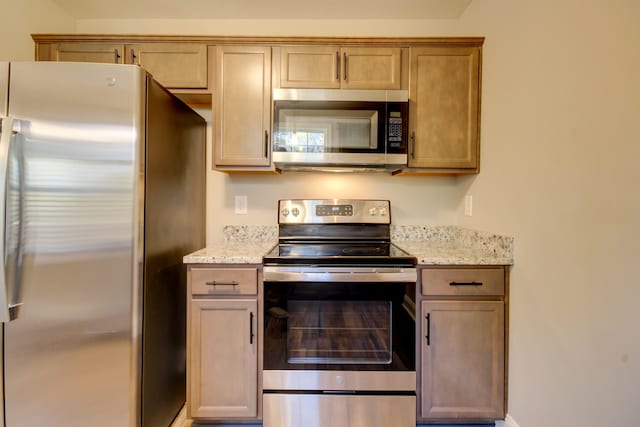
(20, 18)
(560, 147)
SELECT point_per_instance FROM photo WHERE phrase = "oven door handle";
(327, 274)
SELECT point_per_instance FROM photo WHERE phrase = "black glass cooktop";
(352, 253)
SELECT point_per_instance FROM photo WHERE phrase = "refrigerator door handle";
(6, 132)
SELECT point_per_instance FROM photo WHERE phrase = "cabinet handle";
(133, 57)
(266, 144)
(346, 62)
(216, 283)
(428, 336)
(337, 65)
(465, 284)
(413, 145)
(117, 56)
(250, 327)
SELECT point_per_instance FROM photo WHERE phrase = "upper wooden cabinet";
(444, 111)
(175, 65)
(334, 67)
(242, 107)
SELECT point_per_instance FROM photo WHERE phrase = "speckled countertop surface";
(431, 245)
(242, 244)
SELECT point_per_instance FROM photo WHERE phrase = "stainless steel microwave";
(315, 128)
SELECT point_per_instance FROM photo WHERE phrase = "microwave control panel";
(395, 127)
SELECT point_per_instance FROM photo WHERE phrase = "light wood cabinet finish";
(242, 106)
(224, 342)
(462, 360)
(224, 281)
(444, 109)
(106, 53)
(223, 359)
(334, 67)
(462, 343)
(175, 65)
(463, 282)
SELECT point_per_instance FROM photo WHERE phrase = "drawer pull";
(216, 283)
(465, 284)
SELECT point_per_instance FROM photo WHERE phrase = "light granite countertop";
(431, 245)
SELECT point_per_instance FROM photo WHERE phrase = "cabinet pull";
(216, 283)
(250, 327)
(413, 145)
(337, 65)
(346, 62)
(266, 144)
(465, 284)
(428, 336)
(133, 57)
(117, 56)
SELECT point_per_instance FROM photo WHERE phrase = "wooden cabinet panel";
(371, 68)
(223, 359)
(108, 53)
(463, 281)
(224, 281)
(334, 67)
(242, 106)
(462, 369)
(310, 67)
(444, 107)
(175, 65)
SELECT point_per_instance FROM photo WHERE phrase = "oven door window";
(339, 326)
(339, 332)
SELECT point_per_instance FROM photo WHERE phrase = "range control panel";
(331, 211)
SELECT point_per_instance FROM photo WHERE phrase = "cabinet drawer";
(463, 281)
(224, 281)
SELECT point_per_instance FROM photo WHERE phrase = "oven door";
(325, 332)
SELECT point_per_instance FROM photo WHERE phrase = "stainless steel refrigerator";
(102, 183)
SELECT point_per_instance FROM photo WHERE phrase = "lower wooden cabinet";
(222, 344)
(462, 344)
(462, 360)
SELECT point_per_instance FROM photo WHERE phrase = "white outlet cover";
(241, 204)
(468, 205)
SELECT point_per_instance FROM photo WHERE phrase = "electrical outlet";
(241, 204)
(468, 205)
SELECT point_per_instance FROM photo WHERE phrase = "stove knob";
(295, 211)
(373, 212)
(284, 212)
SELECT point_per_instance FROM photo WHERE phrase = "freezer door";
(68, 352)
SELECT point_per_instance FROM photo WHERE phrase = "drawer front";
(463, 281)
(224, 281)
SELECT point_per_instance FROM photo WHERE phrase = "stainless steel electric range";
(339, 318)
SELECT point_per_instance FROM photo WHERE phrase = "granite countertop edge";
(431, 245)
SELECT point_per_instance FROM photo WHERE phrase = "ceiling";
(264, 9)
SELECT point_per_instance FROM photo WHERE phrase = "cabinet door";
(174, 65)
(223, 359)
(444, 107)
(310, 67)
(108, 53)
(462, 360)
(242, 100)
(371, 68)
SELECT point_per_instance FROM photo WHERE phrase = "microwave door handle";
(345, 64)
(413, 145)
